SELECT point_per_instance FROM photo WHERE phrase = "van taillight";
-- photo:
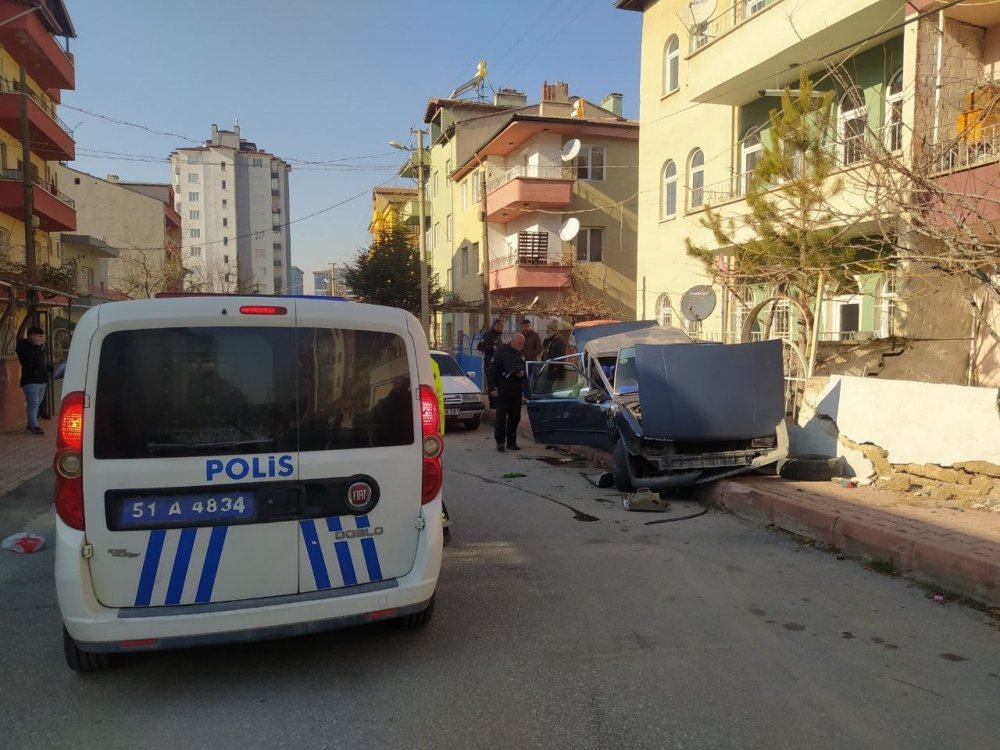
(431, 443)
(68, 462)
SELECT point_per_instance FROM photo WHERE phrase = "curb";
(974, 573)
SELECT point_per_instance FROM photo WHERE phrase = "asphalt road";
(562, 622)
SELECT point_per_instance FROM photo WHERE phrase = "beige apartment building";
(911, 84)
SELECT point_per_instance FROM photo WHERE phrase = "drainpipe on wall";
(970, 377)
(937, 76)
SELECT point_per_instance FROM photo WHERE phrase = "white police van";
(238, 468)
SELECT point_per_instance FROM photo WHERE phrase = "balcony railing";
(722, 23)
(536, 172)
(13, 175)
(7, 86)
(848, 153)
(976, 147)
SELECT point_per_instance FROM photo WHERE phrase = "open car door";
(566, 407)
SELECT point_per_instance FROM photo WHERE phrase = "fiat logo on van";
(362, 494)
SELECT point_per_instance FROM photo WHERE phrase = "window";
(781, 321)
(476, 177)
(664, 313)
(696, 179)
(749, 157)
(259, 252)
(475, 260)
(887, 307)
(193, 178)
(86, 279)
(195, 252)
(194, 215)
(434, 186)
(851, 125)
(225, 260)
(275, 245)
(258, 162)
(894, 113)
(225, 240)
(465, 261)
(225, 203)
(465, 194)
(668, 196)
(449, 228)
(671, 65)
(222, 166)
(194, 233)
(590, 244)
(225, 221)
(447, 168)
(756, 6)
(193, 197)
(437, 235)
(590, 163)
(742, 303)
(223, 184)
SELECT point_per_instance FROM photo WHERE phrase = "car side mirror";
(595, 396)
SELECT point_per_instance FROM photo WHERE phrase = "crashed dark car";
(672, 412)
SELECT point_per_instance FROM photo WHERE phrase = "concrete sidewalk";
(24, 456)
(957, 550)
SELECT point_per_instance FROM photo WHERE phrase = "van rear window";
(203, 391)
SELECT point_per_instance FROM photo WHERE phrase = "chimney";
(112, 178)
(555, 92)
(215, 135)
(613, 103)
(510, 98)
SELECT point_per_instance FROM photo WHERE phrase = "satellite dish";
(569, 229)
(571, 149)
(698, 302)
(699, 11)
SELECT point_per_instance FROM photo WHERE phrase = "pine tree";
(388, 272)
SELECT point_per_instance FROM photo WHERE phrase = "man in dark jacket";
(508, 378)
(488, 346)
(34, 374)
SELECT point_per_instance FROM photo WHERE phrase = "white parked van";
(237, 468)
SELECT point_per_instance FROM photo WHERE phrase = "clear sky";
(328, 81)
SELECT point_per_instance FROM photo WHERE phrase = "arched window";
(696, 179)
(894, 112)
(738, 311)
(851, 125)
(671, 65)
(668, 194)
(664, 313)
(887, 307)
(749, 157)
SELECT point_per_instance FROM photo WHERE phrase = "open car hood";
(710, 392)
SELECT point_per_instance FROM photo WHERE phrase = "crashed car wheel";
(619, 467)
(810, 468)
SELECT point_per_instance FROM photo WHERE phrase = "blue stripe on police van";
(315, 553)
(211, 567)
(371, 554)
(343, 553)
(150, 564)
(182, 560)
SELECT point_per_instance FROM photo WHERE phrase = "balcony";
(524, 189)
(529, 266)
(30, 44)
(50, 136)
(736, 34)
(966, 170)
(56, 212)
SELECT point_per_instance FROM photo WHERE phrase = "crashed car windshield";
(672, 412)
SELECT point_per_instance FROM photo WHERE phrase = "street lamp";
(425, 318)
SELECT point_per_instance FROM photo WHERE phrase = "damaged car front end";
(672, 412)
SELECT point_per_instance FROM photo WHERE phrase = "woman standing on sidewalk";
(34, 374)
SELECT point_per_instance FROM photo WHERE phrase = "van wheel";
(810, 468)
(472, 424)
(418, 619)
(83, 661)
(619, 467)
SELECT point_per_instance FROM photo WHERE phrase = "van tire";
(810, 468)
(472, 424)
(83, 661)
(619, 467)
(417, 620)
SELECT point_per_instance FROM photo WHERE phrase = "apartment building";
(394, 206)
(296, 283)
(233, 199)
(912, 82)
(138, 221)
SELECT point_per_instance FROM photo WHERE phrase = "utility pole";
(29, 203)
(487, 302)
(425, 318)
(331, 284)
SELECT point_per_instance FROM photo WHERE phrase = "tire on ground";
(417, 620)
(619, 467)
(472, 424)
(810, 467)
(83, 661)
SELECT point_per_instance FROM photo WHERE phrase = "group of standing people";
(506, 373)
